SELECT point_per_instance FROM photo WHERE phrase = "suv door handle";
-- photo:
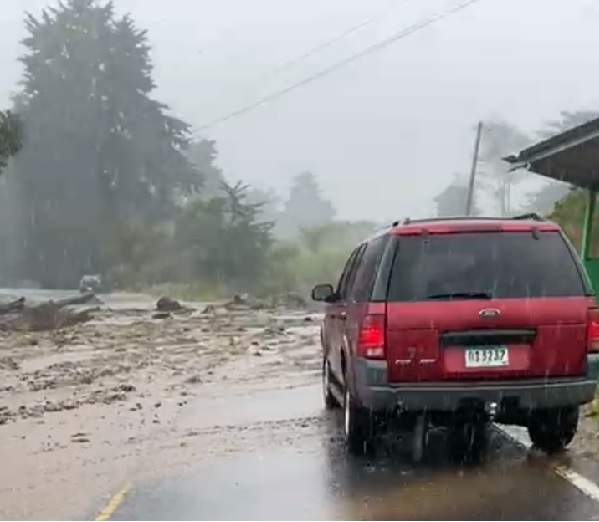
(342, 316)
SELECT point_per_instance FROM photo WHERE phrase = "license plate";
(486, 357)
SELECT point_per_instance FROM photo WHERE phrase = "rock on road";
(220, 416)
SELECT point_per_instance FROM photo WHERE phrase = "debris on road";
(57, 356)
(12, 306)
(161, 315)
(167, 304)
(51, 315)
(90, 397)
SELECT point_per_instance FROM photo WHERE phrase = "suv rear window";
(499, 264)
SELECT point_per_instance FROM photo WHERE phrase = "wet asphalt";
(299, 470)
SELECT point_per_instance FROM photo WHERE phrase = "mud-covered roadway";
(218, 415)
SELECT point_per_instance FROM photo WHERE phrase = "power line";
(360, 54)
(330, 42)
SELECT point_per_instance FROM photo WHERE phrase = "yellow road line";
(114, 503)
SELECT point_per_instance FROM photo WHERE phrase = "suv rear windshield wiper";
(461, 295)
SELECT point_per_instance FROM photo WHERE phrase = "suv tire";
(357, 426)
(552, 430)
(330, 402)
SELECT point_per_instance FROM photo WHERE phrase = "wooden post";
(587, 228)
(470, 197)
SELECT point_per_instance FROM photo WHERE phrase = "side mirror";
(323, 292)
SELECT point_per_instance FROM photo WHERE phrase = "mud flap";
(419, 438)
(593, 366)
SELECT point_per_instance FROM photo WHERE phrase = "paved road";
(293, 466)
(277, 455)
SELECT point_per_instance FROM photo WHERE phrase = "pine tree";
(100, 152)
(305, 207)
(10, 137)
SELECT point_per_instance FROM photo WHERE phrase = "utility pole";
(479, 130)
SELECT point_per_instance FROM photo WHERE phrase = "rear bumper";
(448, 396)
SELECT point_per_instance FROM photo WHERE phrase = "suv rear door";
(486, 305)
(336, 314)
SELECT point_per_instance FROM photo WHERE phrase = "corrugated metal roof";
(571, 156)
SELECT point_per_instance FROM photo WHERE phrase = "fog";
(383, 133)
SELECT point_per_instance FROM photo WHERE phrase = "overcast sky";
(383, 134)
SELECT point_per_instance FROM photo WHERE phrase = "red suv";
(459, 322)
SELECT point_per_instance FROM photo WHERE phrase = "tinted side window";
(342, 284)
(366, 271)
(351, 278)
(504, 265)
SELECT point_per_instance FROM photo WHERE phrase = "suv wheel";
(330, 402)
(552, 430)
(357, 426)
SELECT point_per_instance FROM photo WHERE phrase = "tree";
(269, 202)
(569, 212)
(500, 139)
(343, 235)
(224, 239)
(305, 206)
(202, 155)
(452, 200)
(566, 121)
(545, 199)
(100, 152)
(10, 137)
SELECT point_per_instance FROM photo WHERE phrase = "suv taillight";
(593, 330)
(371, 337)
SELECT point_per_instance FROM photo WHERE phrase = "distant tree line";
(100, 177)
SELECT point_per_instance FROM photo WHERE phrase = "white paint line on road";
(585, 485)
(519, 437)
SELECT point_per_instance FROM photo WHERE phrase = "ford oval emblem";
(487, 313)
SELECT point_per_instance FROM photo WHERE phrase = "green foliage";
(220, 246)
(108, 182)
(569, 213)
(543, 200)
(202, 155)
(500, 139)
(100, 153)
(566, 205)
(567, 120)
(229, 244)
(11, 137)
(305, 207)
(217, 244)
(318, 256)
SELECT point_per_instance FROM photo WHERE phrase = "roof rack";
(531, 215)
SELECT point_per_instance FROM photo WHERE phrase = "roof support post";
(587, 229)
